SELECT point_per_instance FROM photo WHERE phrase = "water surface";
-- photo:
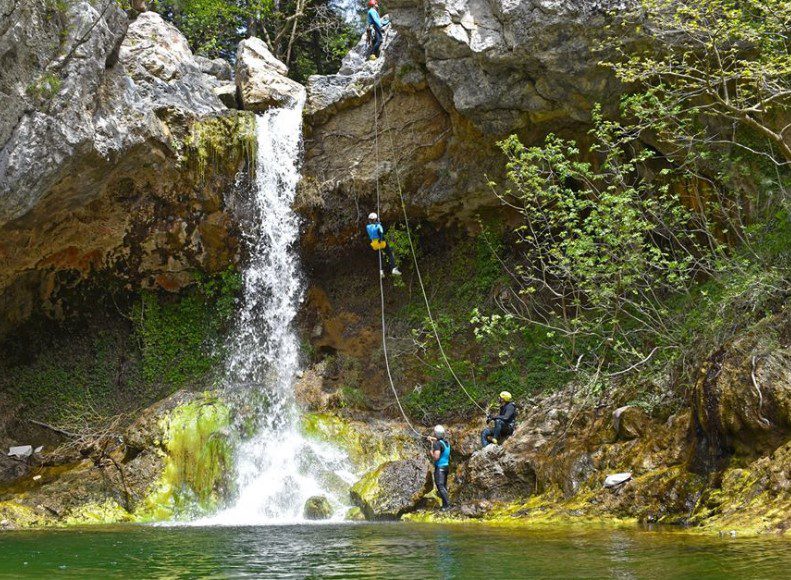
(385, 551)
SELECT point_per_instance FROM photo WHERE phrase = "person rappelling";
(504, 422)
(376, 233)
(375, 29)
(440, 456)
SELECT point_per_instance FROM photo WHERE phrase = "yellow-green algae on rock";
(220, 143)
(183, 447)
(368, 446)
(198, 459)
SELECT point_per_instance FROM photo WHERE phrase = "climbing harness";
(414, 256)
(414, 259)
(381, 278)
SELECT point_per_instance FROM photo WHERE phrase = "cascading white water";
(277, 469)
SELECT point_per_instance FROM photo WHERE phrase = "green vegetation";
(220, 143)
(45, 87)
(306, 35)
(179, 340)
(463, 289)
(708, 66)
(644, 258)
(90, 372)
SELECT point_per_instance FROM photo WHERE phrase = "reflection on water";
(386, 551)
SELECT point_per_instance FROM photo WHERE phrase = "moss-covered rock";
(354, 514)
(317, 508)
(368, 444)
(177, 462)
(198, 460)
(392, 489)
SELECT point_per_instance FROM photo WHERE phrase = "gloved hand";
(488, 418)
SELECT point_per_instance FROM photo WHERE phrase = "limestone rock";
(95, 162)
(742, 400)
(455, 76)
(227, 94)
(495, 472)
(218, 68)
(393, 489)
(617, 479)
(317, 508)
(629, 422)
(261, 78)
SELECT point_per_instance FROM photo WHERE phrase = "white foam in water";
(277, 469)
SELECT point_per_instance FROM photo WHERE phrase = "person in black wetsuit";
(504, 422)
(440, 456)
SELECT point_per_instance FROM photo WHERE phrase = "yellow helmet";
(505, 396)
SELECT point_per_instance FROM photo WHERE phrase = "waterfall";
(277, 468)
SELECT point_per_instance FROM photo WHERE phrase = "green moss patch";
(198, 461)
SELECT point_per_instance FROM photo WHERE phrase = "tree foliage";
(709, 68)
(306, 35)
(602, 245)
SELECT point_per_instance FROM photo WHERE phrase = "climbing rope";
(414, 256)
(434, 330)
(381, 277)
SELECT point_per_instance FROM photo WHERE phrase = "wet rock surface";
(317, 508)
(392, 489)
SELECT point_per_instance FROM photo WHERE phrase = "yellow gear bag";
(378, 244)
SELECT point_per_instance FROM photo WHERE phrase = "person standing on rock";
(504, 422)
(375, 27)
(376, 233)
(440, 455)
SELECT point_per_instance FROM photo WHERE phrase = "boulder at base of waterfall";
(616, 480)
(317, 508)
(261, 78)
(392, 489)
(354, 514)
(629, 422)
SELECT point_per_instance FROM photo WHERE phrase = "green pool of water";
(386, 551)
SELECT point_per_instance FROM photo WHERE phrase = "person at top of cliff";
(440, 456)
(504, 422)
(376, 233)
(375, 27)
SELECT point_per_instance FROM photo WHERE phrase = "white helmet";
(439, 431)
(372, 216)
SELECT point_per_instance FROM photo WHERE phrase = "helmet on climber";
(373, 3)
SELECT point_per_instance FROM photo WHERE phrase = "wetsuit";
(376, 234)
(441, 467)
(376, 24)
(504, 424)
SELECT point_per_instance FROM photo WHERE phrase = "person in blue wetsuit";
(504, 422)
(375, 26)
(376, 233)
(440, 455)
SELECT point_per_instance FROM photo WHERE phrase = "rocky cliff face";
(454, 78)
(116, 154)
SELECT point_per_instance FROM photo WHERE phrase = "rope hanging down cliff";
(381, 279)
(411, 248)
